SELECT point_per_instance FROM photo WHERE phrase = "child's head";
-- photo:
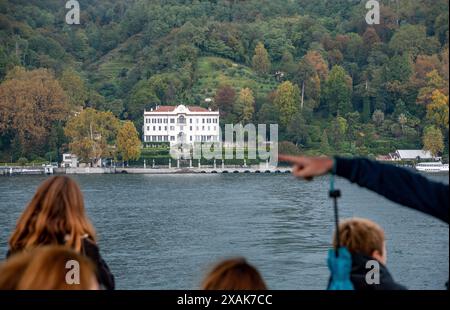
(234, 274)
(362, 236)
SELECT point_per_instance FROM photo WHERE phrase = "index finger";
(290, 159)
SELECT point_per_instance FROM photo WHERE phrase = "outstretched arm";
(397, 184)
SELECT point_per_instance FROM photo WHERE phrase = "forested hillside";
(333, 83)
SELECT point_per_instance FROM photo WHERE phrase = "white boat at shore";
(432, 167)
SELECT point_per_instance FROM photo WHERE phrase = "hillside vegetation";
(333, 83)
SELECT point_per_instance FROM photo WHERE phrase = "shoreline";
(10, 171)
(15, 171)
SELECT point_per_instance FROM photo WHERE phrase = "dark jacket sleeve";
(397, 184)
(104, 275)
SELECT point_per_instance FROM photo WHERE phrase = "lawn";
(214, 71)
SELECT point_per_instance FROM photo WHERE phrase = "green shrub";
(22, 161)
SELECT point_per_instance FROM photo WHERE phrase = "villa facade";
(181, 124)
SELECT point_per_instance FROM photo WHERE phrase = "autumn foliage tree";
(437, 110)
(287, 101)
(128, 142)
(92, 135)
(433, 140)
(315, 59)
(433, 82)
(224, 100)
(31, 102)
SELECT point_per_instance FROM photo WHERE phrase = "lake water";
(165, 231)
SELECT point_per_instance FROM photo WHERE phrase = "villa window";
(172, 121)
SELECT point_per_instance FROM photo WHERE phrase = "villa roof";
(164, 108)
(170, 108)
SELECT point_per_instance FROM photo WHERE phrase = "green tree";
(74, 87)
(245, 105)
(378, 117)
(287, 147)
(402, 120)
(128, 142)
(325, 144)
(297, 130)
(287, 63)
(413, 39)
(353, 120)
(309, 81)
(366, 109)
(261, 61)
(287, 101)
(339, 127)
(338, 91)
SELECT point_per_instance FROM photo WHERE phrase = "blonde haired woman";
(56, 216)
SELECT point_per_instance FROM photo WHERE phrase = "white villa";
(181, 124)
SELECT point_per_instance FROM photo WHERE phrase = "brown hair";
(234, 274)
(45, 268)
(361, 236)
(55, 215)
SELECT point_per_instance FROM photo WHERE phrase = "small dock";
(17, 170)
